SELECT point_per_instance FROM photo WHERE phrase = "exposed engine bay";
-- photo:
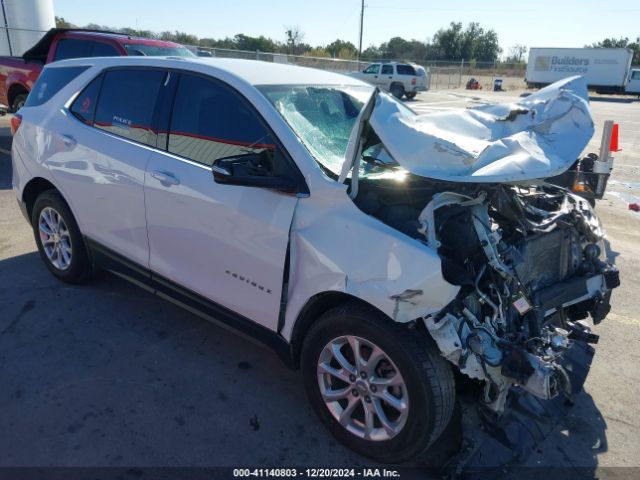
(530, 264)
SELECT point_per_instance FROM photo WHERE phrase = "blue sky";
(557, 23)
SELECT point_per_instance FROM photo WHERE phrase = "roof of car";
(253, 72)
(41, 49)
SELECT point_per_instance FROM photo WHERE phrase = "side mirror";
(251, 170)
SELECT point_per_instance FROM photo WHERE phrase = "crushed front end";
(531, 265)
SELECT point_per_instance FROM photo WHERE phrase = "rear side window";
(101, 49)
(72, 48)
(405, 70)
(126, 103)
(387, 69)
(50, 82)
(84, 105)
(210, 122)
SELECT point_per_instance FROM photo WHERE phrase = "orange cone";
(613, 146)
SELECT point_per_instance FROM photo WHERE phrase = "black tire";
(397, 90)
(18, 102)
(427, 376)
(410, 95)
(79, 269)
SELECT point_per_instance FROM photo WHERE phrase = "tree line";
(454, 43)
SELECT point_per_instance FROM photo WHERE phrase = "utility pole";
(361, 25)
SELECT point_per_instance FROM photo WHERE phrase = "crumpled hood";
(540, 136)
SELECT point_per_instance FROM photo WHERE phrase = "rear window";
(50, 82)
(126, 103)
(405, 69)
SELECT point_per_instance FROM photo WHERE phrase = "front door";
(224, 242)
(634, 82)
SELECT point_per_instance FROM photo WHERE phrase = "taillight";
(16, 120)
(413, 81)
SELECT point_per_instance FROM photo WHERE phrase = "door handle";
(165, 178)
(68, 140)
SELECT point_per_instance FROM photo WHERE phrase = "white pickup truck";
(401, 79)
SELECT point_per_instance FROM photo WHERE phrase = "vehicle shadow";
(5, 160)
(614, 99)
(107, 374)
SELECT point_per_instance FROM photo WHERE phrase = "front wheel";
(380, 388)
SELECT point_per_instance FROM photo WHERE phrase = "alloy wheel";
(362, 388)
(55, 238)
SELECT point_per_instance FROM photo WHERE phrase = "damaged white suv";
(378, 249)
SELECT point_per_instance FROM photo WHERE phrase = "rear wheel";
(410, 95)
(59, 239)
(381, 389)
(397, 90)
(19, 102)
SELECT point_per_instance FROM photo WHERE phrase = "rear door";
(226, 243)
(105, 150)
(386, 76)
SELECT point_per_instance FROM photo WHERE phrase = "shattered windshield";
(322, 117)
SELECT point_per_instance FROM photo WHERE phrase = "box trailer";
(607, 70)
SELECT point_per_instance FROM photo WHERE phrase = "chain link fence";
(443, 74)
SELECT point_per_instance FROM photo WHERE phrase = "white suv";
(401, 79)
(319, 215)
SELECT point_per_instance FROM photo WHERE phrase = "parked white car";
(401, 79)
(377, 249)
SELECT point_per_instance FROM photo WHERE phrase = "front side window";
(635, 75)
(372, 69)
(72, 48)
(126, 103)
(210, 122)
(50, 82)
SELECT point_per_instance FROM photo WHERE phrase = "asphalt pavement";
(108, 375)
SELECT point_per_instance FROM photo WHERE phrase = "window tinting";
(210, 122)
(126, 103)
(50, 82)
(405, 69)
(387, 70)
(139, 49)
(372, 68)
(72, 48)
(85, 104)
(101, 49)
